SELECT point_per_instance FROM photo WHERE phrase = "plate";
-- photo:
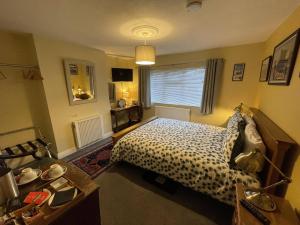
(46, 177)
(63, 189)
(19, 178)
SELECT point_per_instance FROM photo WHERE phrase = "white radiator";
(88, 130)
(173, 113)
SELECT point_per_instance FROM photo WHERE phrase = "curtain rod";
(121, 56)
(173, 64)
(177, 64)
(18, 65)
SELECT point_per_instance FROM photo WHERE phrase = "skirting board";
(72, 150)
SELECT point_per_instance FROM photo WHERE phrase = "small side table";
(284, 213)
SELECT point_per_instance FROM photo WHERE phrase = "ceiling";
(107, 24)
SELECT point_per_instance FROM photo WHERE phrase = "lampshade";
(145, 55)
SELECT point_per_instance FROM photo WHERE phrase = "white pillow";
(253, 141)
(249, 120)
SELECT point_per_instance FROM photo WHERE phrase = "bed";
(191, 154)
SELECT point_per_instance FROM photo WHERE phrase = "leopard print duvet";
(186, 152)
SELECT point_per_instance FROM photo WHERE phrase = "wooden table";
(129, 110)
(84, 210)
(284, 214)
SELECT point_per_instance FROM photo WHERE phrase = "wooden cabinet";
(132, 115)
(284, 214)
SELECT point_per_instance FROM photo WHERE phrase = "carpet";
(127, 199)
(95, 162)
(162, 182)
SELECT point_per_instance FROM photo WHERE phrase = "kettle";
(8, 186)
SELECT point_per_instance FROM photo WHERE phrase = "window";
(177, 85)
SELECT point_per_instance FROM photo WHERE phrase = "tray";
(45, 212)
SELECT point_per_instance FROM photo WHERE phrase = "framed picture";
(73, 69)
(284, 58)
(238, 72)
(265, 69)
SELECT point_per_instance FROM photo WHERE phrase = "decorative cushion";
(245, 110)
(239, 144)
(253, 141)
(247, 162)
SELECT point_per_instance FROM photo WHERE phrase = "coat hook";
(24, 74)
(3, 77)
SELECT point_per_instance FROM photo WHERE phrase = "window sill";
(177, 106)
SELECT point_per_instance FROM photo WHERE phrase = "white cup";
(28, 174)
(55, 170)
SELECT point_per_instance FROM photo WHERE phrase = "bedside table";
(283, 215)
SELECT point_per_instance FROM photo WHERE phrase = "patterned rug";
(95, 162)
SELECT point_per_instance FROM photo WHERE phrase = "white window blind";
(177, 85)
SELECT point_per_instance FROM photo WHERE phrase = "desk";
(283, 215)
(131, 111)
(84, 211)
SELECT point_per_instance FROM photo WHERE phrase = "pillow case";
(228, 144)
(232, 134)
(239, 144)
(232, 125)
(254, 141)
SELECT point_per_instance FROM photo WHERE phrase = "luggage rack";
(31, 147)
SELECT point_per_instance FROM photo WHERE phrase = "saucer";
(19, 178)
(63, 189)
(45, 175)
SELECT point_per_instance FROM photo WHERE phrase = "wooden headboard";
(279, 149)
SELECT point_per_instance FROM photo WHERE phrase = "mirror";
(80, 78)
(112, 92)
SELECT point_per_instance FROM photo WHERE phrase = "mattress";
(189, 153)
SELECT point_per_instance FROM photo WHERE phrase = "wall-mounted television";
(120, 74)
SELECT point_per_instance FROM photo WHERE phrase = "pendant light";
(145, 54)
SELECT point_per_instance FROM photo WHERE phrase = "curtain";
(144, 87)
(214, 69)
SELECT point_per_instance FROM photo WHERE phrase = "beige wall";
(26, 103)
(23, 101)
(231, 93)
(130, 87)
(50, 55)
(281, 103)
(15, 107)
